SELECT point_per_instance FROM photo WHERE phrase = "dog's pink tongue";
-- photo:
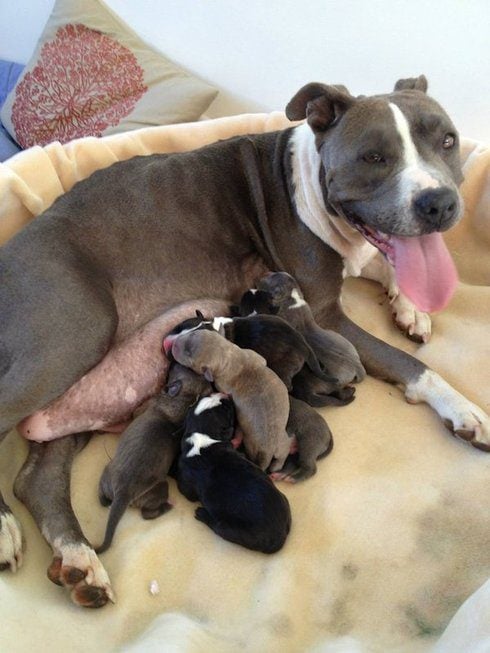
(425, 271)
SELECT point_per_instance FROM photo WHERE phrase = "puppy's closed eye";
(174, 388)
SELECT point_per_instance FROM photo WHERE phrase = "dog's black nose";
(437, 207)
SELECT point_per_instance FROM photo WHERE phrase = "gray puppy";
(338, 356)
(314, 441)
(137, 474)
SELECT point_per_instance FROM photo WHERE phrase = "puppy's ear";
(320, 104)
(412, 84)
(208, 375)
(174, 388)
(234, 310)
(200, 315)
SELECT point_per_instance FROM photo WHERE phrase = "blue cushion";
(8, 147)
(9, 74)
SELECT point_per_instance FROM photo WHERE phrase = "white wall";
(259, 52)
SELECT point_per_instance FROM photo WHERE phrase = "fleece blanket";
(389, 539)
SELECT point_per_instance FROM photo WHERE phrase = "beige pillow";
(91, 75)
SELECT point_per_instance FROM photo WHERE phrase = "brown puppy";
(260, 397)
(137, 474)
(338, 356)
(314, 441)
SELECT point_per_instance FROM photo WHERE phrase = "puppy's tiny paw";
(415, 324)
(10, 542)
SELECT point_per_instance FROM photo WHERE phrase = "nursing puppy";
(342, 361)
(260, 397)
(337, 355)
(284, 349)
(313, 438)
(137, 474)
(239, 501)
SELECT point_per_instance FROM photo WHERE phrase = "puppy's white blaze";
(253, 290)
(199, 441)
(298, 301)
(206, 403)
(218, 322)
(308, 199)
(416, 175)
(450, 404)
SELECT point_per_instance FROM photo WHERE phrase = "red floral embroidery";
(83, 83)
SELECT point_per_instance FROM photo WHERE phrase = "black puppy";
(313, 438)
(239, 501)
(137, 474)
(282, 346)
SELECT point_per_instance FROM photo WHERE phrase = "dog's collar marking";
(206, 403)
(308, 198)
(199, 441)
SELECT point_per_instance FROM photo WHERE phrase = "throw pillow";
(91, 75)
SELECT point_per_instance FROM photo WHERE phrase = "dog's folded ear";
(419, 83)
(320, 104)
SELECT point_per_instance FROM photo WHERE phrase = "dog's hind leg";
(420, 383)
(43, 485)
(56, 324)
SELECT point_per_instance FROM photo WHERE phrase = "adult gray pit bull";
(128, 253)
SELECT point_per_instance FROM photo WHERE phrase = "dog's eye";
(373, 157)
(449, 141)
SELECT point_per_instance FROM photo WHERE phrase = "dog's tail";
(118, 507)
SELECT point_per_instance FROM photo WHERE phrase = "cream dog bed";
(388, 539)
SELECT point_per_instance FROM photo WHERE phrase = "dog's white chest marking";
(199, 441)
(206, 403)
(308, 198)
(416, 174)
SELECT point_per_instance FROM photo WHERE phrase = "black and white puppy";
(239, 501)
(137, 474)
(283, 347)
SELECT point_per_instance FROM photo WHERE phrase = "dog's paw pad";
(10, 542)
(473, 427)
(77, 567)
(90, 596)
(416, 325)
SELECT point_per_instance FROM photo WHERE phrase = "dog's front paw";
(415, 324)
(473, 426)
(464, 418)
(77, 567)
(10, 541)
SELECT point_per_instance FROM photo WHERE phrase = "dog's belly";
(132, 371)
